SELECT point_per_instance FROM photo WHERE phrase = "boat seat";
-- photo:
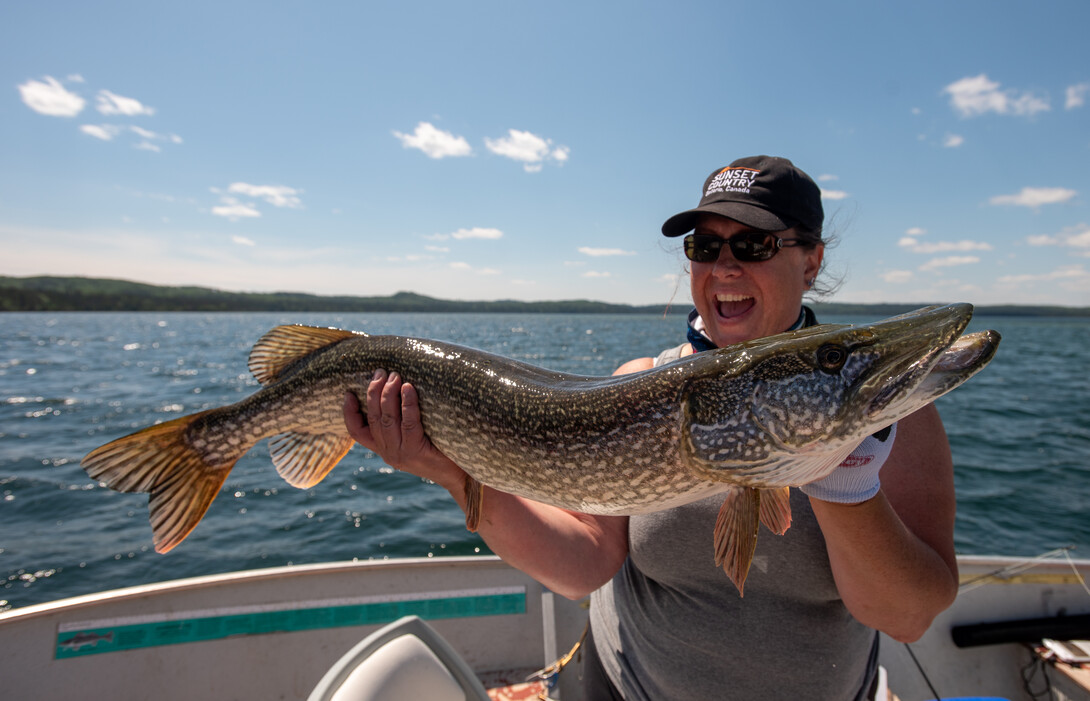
(406, 659)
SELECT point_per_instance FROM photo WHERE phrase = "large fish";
(749, 421)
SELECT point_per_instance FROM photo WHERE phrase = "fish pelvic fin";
(304, 459)
(179, 482)
(474, 503)
(776, 509)
(736, 533)
(281, 348)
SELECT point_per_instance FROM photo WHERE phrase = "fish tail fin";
(736, 533)
(776, 509)
(304, 459)
(158, 460)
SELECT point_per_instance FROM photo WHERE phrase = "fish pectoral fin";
(284, 346)
(304, 459)
(474, 503)
(776, 509)
(159, 461)
(736, 533)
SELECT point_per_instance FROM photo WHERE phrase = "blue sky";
(515, 150)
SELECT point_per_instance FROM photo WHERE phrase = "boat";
(287, 632)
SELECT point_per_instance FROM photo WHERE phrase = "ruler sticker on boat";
(133, 632)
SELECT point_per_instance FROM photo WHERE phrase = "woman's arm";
(893, 555)
(571, 553)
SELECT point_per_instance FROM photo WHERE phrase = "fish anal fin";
(474, 503)
(159, 461)
(736, 533)
(284, 346)
(304, 459)
(776, 509)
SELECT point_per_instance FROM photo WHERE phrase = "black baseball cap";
(763, 192)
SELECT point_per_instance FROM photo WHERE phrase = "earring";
(810, 282)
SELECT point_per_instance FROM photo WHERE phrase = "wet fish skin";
(758, 416)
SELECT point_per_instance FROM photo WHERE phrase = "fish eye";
(832, 357)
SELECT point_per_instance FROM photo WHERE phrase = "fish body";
(747, 420)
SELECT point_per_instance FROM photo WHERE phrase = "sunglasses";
(747, 247)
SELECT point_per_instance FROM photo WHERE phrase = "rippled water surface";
(1020, 433)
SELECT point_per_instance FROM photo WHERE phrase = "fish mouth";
(926, 356)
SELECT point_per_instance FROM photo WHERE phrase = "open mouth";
(729, 306)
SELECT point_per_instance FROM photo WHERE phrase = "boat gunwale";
(209, 581)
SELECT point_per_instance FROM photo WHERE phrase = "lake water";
(1020, 433)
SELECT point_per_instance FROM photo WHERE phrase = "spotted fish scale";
(748, 420)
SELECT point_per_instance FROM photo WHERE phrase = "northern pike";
(748, 420)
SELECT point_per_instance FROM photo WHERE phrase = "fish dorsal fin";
(776, 509)
(304, 459)
(284, 346)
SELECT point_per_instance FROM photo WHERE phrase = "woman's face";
(743, 301)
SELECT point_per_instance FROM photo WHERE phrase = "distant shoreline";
(81, 294)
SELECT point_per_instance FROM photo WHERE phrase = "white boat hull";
(272, 634)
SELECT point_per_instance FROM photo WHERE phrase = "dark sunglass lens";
(702, 249)
(753, 246)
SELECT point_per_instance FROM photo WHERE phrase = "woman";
(863, 553)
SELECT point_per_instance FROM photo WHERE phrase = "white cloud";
(1075, 95)
(833, 194)
(595, 274)
(948, 262)
(243, 241)
(470, 269)
(953, 140)
(234, 210)
(110, 103)
(435, 143)
(477, 233)
(915, 246)
(151, 135)
(1077, 236)
(1035, 197)
(915, 231)
(106, 132)
(974, 96)
(531, 149)
(897, 277)
(599, 252)
(276, 195)
(827, 178)
(51, 98)
(1076, 272)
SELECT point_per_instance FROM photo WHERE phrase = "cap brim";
(684, 222)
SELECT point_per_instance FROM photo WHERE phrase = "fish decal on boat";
(747, 421)
(81, 640)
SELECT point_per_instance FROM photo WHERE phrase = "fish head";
(794, 405)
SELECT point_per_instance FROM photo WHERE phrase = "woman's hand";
(389, 425)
